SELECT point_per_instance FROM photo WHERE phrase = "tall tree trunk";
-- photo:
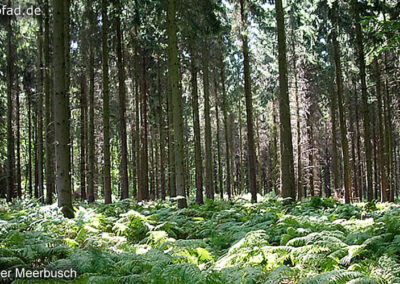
(311, 166)
(137, 114)
(252, 159)
(358, 151)
(18, 134)
(241, 163)
(196, 128)
(171, 152)
(143, 193)
(298, 129)
(388, 131)
(342, 118)
(357, 191)
(275, 153)
(83, 138)
(375, 150)
(122, 109)
(220, 173)
(259, 170)
(173, 76)
(225, 112)
(161, 132)
(35, 134)
(364, 97)
(287, 169)
(40, 115)
(91, 138)
(61, 116)
(29, 103)
(106, 106)
(49, 124)
(381, 130)
(67, 40)
(334, 144)
(209, 183)
(152, 162)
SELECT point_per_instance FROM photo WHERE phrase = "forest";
(200, 141)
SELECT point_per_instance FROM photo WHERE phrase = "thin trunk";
(298, 129)
(122, 109)
(358, 151)
(106, 106)
(231, 120)
(241, 189)
(275, 153)
(173, 76)
(29, 100)
(310, 135)
(364, 96)
(67, 40)
(143, 193)
(225, 112)
(19, 189)
(220, 173)
(376, 183)
(137, 117)
(357, 191)
(342, 118)
(389, 132)
(196, 128)
(36, 189)
(83, 138)
(252, 159)
(49, 124)
(259, 170)
(91, 138)
(161, 133)
(151, 171)
(381, 130)
(40, 115)
(171, 152)
(208, 140)
(287, 170)
(61, 116)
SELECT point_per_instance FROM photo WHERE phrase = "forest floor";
(318, 241)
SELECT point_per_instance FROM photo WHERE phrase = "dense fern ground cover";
(319, 241)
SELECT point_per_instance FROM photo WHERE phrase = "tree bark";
(364, 97)
(252, 159)
(106, 106)
(49, 124)
(83, 138)
(296, 94)
(18, 134)
(342, 118)
(225, 113)
(61, 116)
(173, 76)
(220, 173)
(209, 182)
(40, 116)
(91, 138)
(196, 128)
(122, 109)
(29, 103)
(161, 133)
(288, 188)
(381, 130)
(143, 192)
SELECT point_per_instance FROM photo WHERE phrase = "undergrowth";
(320, 241)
